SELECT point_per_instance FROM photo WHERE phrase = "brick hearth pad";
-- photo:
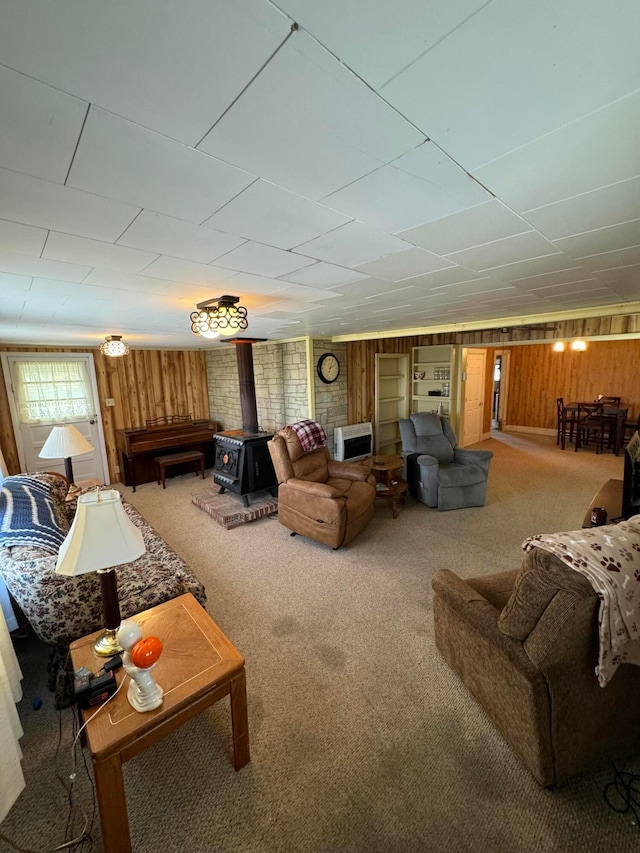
(228, 509)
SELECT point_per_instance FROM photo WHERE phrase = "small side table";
(198, 667)
(389, 487)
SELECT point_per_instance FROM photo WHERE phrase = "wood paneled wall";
(538, 376)
(145, 384)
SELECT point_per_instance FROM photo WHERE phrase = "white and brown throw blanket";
(310, 434)
(609, 556)
(27, 515)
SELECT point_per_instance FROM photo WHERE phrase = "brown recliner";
(318, 497)
(525, 643)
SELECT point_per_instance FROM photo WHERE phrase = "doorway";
(473, 388)
(49, 389)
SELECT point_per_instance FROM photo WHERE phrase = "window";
(53, 391)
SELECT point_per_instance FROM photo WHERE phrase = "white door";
(50, 389)
(474, 396)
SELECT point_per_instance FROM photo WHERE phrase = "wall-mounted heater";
(353, 442)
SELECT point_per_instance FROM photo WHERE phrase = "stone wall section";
(331, 400)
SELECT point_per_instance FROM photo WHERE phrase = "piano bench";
(164, 462)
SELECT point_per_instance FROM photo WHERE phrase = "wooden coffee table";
(198, 667)
(389, 486)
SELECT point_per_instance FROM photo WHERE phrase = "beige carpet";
(229, 510)
(362, 739)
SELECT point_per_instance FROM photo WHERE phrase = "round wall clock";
(328, 367)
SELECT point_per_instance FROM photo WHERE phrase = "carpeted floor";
(362, 739)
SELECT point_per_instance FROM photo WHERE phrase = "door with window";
(51, 389)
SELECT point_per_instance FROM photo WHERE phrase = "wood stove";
(243, 463)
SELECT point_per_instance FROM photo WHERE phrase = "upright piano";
(138, 446)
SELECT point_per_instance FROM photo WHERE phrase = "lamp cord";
(625, 788)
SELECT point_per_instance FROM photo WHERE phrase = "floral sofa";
(62, 609)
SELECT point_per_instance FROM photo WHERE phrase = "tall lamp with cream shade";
(101, 537)
(63, 443)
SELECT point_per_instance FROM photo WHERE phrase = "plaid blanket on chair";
(310, 434)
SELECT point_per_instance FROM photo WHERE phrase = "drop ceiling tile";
(23, 239)
(451, 275)
(333, 128)
(262, 260)
(131, 59)
(322, 274)
(586, 286)
(47, 205)
(606, 206)
(40, 126)
(483, 223)
(366, 288)
(303, 294)
(505, 251)
(560, 165)
(418, 187)
(167, 235)
(540, 78)
(534, 282)
(27, 265)
(94, 253)
(269, 214)
(114, 280)
(8, 282)
(534, 266)
(627, 290)
(376, 39)
(407, 264)
(622, 275)
(609, 239)
(352, 244)
(119, 159)
(175, 269)
(611, 260)
(466, 288)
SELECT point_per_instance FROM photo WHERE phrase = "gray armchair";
(439, 473)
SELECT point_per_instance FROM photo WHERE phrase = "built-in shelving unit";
(436, 391)
(391, 401)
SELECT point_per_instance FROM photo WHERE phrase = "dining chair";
(566, 422)
(591, 423)
(629, 428)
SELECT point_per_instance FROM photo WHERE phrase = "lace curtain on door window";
(53, 391)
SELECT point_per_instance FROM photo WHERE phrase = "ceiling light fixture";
(114, 346)
(223, 317)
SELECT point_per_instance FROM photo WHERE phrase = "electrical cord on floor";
(622, 794)
(85, 834)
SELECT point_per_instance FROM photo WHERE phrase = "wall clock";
(328, 367)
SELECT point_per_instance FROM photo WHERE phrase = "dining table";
(617, 414)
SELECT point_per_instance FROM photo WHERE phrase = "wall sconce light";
(224, 317)
(578, 346)
(558, 346)
(114, 346)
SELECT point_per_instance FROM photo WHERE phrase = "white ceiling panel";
(467, 288)
(533, 266)
(352, 244)
(601, 240)
(132, 58)
(444, 278)
(505, 251)
(270, 214)
(119, 159)
(622, 275)
(535, 282)
(262, 260)
(611, 260)
(597, 209)
(48, 205)
(93, 253)
(126, 281)
(367, 288)
(9, 281)
(549, 64)
(472, 227)
(27, 265)
(23, 239)
(333, 128)
(167, 235)
(570, 287)
(379, 39)
(589, 153)
(322, 274)
(175, 269)
(40, 126)
(401, 265)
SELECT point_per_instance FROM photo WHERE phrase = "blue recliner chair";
(439, 473)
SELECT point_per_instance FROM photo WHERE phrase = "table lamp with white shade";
(63, 443)
(101, 537)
